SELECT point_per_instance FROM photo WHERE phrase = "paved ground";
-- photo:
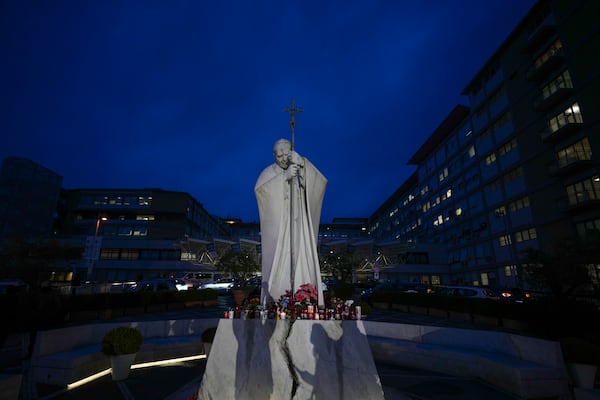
(181, 381)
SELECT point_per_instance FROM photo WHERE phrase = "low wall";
(524, 366)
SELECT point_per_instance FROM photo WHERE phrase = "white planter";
(583, 375)
(120, 366)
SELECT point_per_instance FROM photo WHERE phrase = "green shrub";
(122, 340)
(195, 295)
(208, 294)
(383, 296)
(124, 300)
(342, 291)
(88, 302)
(411, 299)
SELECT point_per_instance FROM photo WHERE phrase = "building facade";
(518, 167)
(129, 233)
(29, 193)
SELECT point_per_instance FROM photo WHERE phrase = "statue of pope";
(289, 194)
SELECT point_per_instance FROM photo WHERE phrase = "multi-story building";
(344, 228)
(127, 233)
(519, 167)
(29, 193)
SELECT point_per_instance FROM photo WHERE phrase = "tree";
(241, 264)
(339, 264)
(564, 271)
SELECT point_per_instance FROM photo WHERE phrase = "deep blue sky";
(189, 95)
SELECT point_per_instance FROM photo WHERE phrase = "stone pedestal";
(302, 359)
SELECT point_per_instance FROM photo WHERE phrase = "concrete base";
(303, 359)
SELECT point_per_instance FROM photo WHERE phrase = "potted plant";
(582, 358)
(208, 336)
(121, 344)
(242, 265)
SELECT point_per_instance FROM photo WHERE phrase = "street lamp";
(98, 224)
(93, 245)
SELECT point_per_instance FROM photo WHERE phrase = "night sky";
(189, 95)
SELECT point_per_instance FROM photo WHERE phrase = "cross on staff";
(293, 110)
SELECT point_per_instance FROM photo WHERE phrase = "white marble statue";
(289, 195)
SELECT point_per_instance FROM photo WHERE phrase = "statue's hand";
(295, 158)
(291, 171)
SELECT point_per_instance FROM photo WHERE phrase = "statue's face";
(281, 152)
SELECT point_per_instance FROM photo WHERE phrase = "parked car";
(516, 295)
(467, 291)
(254, 281)
(159, 284)
(407, 287)
(8, 286)
(222, 286)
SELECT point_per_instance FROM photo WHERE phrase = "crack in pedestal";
(287, 355)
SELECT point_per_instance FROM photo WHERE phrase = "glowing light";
(100, 374)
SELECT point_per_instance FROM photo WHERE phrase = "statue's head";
(281, 150)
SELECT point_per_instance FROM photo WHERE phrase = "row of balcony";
(580, 202)
(554, 135)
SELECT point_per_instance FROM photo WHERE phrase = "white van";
(194, 279)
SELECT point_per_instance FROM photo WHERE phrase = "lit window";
(527, 234)
(484, 279)
(560, 82)
(584, 191)
(518, 204)
(471, 151)
(554, 49)
(504, 240)
(129, 254)
(145, 200)
(576, 152)
(140, 231)
(109, 254)
(510, 270)
(571, 115)
(443, 174)
(507, 147)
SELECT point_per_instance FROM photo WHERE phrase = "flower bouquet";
(300, 305)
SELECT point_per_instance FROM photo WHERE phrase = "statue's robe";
(283, 236)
